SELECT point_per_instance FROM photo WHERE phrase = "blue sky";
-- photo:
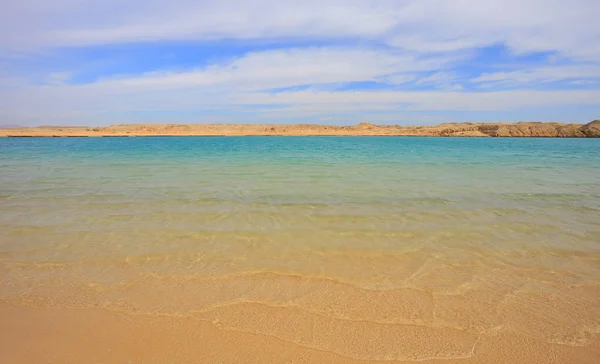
(411, 62)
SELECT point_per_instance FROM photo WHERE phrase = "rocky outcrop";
(591, 130)
(532, 130)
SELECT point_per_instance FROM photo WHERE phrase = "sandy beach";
(456, 313)
(51, 335)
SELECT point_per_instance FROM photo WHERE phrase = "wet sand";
(51, 335)
(279, 318)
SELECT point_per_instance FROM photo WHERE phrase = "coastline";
(522, 129)
(300, 250)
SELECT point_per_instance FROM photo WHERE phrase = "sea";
(374, 236)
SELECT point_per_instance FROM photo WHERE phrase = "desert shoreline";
(522, 129)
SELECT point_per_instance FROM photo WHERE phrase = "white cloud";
(569, 27)
(522, 25)
(398, 79)
(54, 102)
(10, 82)
(541, 74)
(118, 21)
(435, 100)
(58, 78)
(388, 41)
(288, 68)
(584, 82)
(447, 80)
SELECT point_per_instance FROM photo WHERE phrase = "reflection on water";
(367, 246)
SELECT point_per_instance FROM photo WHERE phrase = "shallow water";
(352, 241)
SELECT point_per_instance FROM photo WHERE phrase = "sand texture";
(395, 327)
(523, 129)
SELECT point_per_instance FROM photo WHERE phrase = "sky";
(406, 62)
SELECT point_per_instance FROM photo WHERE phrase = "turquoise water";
(501, 194)
(112, 221)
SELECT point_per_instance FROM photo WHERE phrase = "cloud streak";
(421, 25)
(306, 57)
(290, 67)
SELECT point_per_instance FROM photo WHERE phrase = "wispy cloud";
(291, 67)
(309, 58)
(58, 78)
(424, 25)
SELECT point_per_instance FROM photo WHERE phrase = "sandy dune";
(524, 129)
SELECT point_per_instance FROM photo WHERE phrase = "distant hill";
(10, 126)
(61, 127)
(522, 129)
(591, 129)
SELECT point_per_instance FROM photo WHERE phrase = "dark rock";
(591, 130)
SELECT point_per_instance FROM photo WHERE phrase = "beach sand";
(54, 335)
(280, 318)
